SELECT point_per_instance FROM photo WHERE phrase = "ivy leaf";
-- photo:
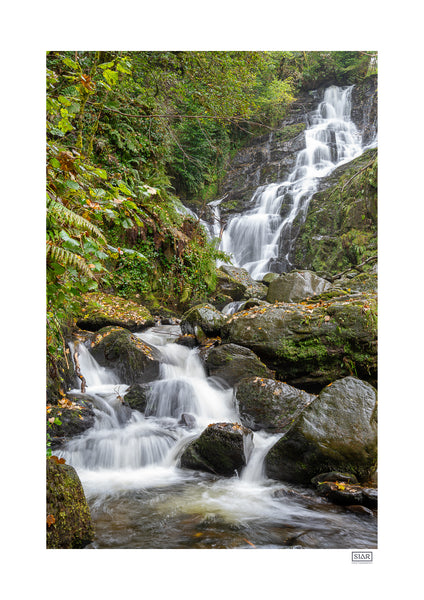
(112, 77)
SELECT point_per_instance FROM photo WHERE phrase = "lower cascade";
(140, 497)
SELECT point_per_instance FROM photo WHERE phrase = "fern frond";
(68, 217)
(67, 258)
(187, 289)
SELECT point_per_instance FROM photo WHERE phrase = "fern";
(68, 217)
(67, 258)
(187, 289)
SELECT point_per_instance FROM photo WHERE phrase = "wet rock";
(251, 288)
(101, 310)
(269, 277)
(269, 405)
(188, 340)
(75, 418)
(362, 510)
(133, 360)
(336, 432)
(136, 396)
(340, 493)
(334, 476)
(222, 449)
(311, 343)
(370, 497)
(69, 522)
(202, 321)
(296, 286)
(231, 363)
(228, 288)
(187, 420)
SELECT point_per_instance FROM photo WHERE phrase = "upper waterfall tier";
(261, 238)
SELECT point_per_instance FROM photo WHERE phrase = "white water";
(140, 498)
(260, 240)
(146, 446)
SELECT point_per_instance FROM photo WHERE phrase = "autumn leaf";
(57, 460)
(50, 520)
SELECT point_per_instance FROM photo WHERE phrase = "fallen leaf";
(50, 520)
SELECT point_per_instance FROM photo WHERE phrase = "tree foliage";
(128, 135)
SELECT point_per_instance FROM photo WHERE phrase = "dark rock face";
(68, 516)
(231, 363)
(364, 108)
(133, 360)
(336, 432)
(295, 286)
(220, 449)
(270, 405)
(267, 159)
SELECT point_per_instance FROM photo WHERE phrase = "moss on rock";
(69, 522)
(101, 310)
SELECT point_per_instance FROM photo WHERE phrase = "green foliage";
(308, 70)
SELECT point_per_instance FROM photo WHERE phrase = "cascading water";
(140, 498)
(261, 239)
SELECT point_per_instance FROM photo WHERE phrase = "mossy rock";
(252, 288)
(203, 320)
(340, 229)
(101, 310)
(270, 405)
(220, 449)
(232, 363)
(133, 360)
(295, 286)
(312, 343)
(69, 523)
(228, 287)
(136, 396)
(336, 432)
(75, 420)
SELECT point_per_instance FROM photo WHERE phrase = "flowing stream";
(139, 497)
(261, 239)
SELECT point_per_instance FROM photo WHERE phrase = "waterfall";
(261, 239)
(125, 439)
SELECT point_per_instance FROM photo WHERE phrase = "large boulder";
(336, 432)
(227, 288)
(312, 343)
(296, 286)
(69, 522)
(231, 363)
(270, 405)
(220, 449)
(101, 310)
(202, 321)
(133, 360)
(251, 287)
